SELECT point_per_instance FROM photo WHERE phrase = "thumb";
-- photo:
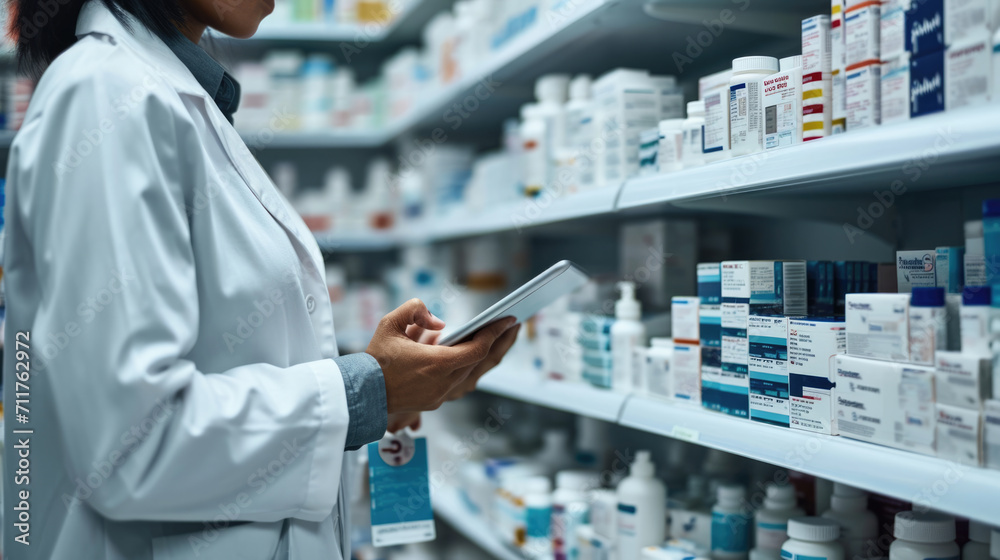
(413, 312)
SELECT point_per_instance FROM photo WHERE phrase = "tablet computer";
(561, 279)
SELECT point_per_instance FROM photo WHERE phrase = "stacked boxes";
(595, 340)
(862, 20)
(813, 345)
(767, 366)
(710, 328)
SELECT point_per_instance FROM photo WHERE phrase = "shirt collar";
(223, 88)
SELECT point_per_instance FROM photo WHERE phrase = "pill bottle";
(974, 320)
(812, 538)
(659, 359)
(922, 536)
(671, 146)
(642, 508)
(772, 520)
(746, 114)
(782, 105)
(928, 324)
(692, 154)
(978, 547)
(570, 507)
(730, 524)
(858, 526)
(538, 523)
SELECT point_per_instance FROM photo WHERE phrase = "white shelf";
(959, 148)
(450, 507)
(517, 379)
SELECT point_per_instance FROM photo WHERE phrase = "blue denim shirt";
(366, 401)
(223, 88)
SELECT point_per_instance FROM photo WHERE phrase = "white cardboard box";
(959, 435)
(813, 345)
(878, 326)
(962, 379)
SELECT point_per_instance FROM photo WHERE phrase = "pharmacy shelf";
(517, 379)
(360, 242)
(947, 150)
(961, 490)
(452, 509)
(406, 26)
(345, 138)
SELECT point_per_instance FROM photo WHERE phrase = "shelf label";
(686, 434)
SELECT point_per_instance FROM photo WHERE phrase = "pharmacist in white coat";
(169, 331)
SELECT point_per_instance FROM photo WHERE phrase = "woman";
(185, 396)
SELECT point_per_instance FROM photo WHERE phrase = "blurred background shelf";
(453, 510)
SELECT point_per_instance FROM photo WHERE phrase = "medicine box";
(959, 435)
(686, 373)
(862, 20)
(963, 380)
(782, 104)
(711, 341)
(991, 435)
(864, 94)
(896, 89)
(817, 55)
(915, 269)
(886, 403)
(710, 283)
(821, 286)
(948, 267)
(813, 345)
(716, 134)
(628, 103)
(768, 369)
(684, 319)
(892, 31)
(968, 70)
(878, 326)
(927, 84)
(925, 27)
(660, 256)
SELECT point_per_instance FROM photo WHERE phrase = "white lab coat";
(183, 399)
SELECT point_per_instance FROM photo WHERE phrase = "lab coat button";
(310, 303)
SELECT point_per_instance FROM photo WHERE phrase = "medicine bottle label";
(770, 536)
(739, 117)
(785, 555)
(628, 527)
(730, 532)
(537, 522)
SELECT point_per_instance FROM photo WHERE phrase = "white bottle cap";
(671, 125)
(730, 495)
(627, 308)
(580, 481)
(924, 527)
(579, 88)
(696, 108)
(643, 466)
(552, 88)
(661, 342)
(538, 501)
(755, 64)
(979, 532)
(790, 62)
(536, 485)
(813, 529)
(780, 497)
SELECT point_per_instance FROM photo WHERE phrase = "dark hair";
(43, 29)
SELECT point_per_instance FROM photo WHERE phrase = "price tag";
(686, 434)
(400, 491)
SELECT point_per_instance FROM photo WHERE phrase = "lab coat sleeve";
(102, 179)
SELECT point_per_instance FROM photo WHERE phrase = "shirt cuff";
(366, 400)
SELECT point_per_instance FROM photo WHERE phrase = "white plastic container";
(812, 538)
(771, 521)
(659, 366)
(730, 524)
(923, 536)
(928, 325)
(692, 154)
(782, 105)
(534, 150)
(580, 130)
(746, 115)
(627, 333)
(858, 526)
(570, 508)
(642, 508)
(974, 321)
(671, 146)
(978, 547)
(538, 521)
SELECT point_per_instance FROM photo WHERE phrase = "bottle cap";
(924, 527)
(815, 529)
(536, 485)
(627, 307)
(991, 208)
(790, 62)
(755, 64)
(976, 295)
(552, 88)
(927, 297)
(579, 88)
(643, 466)
(730, 495)
(581, 481)
(780, 497)
(671, 124)
(696, 108)
(979, 532)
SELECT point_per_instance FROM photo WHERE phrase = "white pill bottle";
(922, 536)
(812, 538)
(746, 103)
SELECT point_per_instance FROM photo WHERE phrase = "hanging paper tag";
(400, 490)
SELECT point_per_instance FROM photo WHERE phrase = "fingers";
(430, 337)
(415, 332)
(477, 349)
(412, 312)
(497, 352)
